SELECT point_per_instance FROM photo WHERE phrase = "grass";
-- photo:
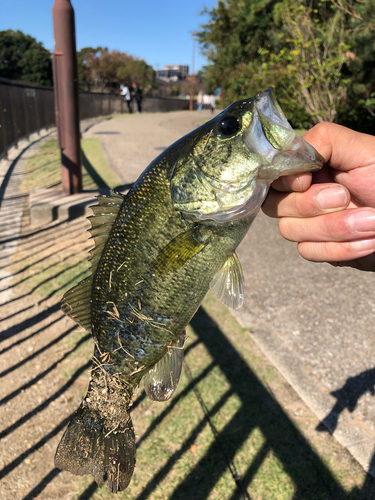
(231, 407)
(43, 170)
(180, 455)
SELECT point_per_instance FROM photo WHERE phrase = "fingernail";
(360, 245)
(362, 221)
(332, 197)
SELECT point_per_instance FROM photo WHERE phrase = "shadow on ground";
(258, 410)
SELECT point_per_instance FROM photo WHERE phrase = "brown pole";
(192, 80)
(66, 96)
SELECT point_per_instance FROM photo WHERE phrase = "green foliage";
(138, 71)
(175, 90)
(23, 58)
(100, 69)
(318, 54)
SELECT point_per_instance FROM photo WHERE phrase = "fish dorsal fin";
(181, 249)
(105, 214)
(76, 303)
(161, 381)
(228, 283)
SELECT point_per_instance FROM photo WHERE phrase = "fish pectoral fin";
(181, 249)
(161, 381)
(76, 303)
(228, 283)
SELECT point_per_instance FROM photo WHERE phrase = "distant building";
(172, 73)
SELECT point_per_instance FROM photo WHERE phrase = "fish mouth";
(280, 149)
(271, 137)
(275, 150)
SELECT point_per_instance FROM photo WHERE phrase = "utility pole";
(192, 78)
(65, 76)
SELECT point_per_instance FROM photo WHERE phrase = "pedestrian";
(206, 101)
(127, 97)
(331, 213)
(212, 103)
(138, 96)
(200, 101)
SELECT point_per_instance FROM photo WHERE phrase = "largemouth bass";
(157, 252)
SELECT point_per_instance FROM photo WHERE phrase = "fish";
(158, 250)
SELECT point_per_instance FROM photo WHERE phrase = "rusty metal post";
(66, 96)
(191, 101)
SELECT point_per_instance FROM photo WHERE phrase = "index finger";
(317, 200)
(343, 148)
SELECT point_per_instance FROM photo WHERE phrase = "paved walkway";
(314, 322)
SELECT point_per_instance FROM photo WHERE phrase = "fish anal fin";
(228, 283)
(161, 381)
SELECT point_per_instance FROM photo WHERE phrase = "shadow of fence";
(258, 409)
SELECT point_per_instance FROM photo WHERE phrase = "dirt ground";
(234, 430)
(45, 364)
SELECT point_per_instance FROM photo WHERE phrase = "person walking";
(127, 97)
(200, 101)
(138, 96)
(212, 103)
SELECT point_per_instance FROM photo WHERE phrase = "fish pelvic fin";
(100, 439)
(228, 283)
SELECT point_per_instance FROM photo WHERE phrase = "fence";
(26, 109)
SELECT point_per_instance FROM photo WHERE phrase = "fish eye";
(229, 125)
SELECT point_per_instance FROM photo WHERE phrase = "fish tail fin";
(88, 446)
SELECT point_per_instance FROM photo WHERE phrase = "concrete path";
(131, 143)
(314, 322)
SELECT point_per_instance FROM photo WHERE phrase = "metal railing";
(26, 109)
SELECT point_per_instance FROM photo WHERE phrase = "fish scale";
(157, 252)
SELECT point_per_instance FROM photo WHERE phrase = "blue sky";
(157, 31)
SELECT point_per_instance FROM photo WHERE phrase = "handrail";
(27, 108)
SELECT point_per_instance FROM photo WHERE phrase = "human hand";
(331, 213)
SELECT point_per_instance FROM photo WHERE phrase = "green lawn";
(233, 415)
(43, 170)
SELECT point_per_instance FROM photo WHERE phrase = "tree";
(23, 58)
(318, 54)
(98, 68)
(103, 70)
(313, 55)
(138, 71)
